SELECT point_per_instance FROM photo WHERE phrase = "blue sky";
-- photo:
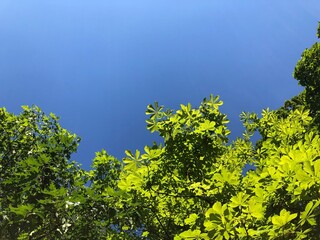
(98, 64)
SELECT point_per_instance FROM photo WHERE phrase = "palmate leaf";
(219, 208)
(305, 180)
(206, 126)
(186, 108)
(55, 192)
(307, 214)
(239, 200)
(135, 157)
(152, 125)
(132, 162)
(281, 220)
(154, 110)
(124, 184)
(191, 220)
(22, 210)
(151, 153)
(256, 209)
(133, 180)
(156, 116)
(213, 101)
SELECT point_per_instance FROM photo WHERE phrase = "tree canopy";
(307, 72)
(192, 186)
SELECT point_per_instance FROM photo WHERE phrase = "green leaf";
(284, 218)
(154, 110)
(206, 126)
(191, 220)
(256, 209)
(219, 208)
(191, 234)
(239, 200)
(22, 210)
(307, 214)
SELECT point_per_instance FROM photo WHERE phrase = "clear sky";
(97, 64)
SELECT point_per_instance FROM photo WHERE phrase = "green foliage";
(266, 203)
(307, 72)
(191, 187)
(34, 153)
(297, 102)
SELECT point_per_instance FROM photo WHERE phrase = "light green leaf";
(239, 200)
(284, 218)
(191, 220)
